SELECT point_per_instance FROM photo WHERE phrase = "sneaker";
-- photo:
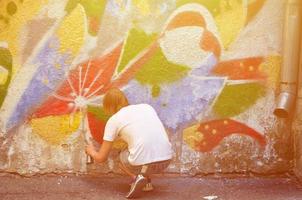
(148, 187)
(137, 186)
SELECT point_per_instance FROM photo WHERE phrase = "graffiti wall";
(209, 68)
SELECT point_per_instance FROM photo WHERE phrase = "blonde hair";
(114, 100)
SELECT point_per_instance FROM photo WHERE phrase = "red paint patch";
(247, 68)
(97, 127)
(214, 131)
(98, 74)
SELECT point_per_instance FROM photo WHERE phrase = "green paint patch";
(98, 112)
(155, 91)
(213, 5)
(94, 10)
(159, 70)
(137, 41)
(6, 62)
(235, 99)
(92, 7)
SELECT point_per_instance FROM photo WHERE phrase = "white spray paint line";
(80, 80)
(238, 82)
(85, 76)
(122, 53)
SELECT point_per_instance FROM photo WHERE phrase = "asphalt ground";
(167, 187)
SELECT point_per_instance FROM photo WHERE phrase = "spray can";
(89, 159)
(87, 138)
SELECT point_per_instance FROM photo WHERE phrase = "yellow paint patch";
(231, 20)
(11, 33)
(58, 65)
(271, 66)
(191, 135)
(71, 31)
(55, 129)
(143, 6)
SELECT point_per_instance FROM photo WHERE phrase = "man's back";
(143, 131)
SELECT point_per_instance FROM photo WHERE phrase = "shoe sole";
(135, 192)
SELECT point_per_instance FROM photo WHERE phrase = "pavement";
(167, 187)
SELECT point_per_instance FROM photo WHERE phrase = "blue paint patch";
(49, 75)
(178, 103)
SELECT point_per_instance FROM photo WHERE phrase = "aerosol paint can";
(89, 159)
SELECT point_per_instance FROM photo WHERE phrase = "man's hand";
(90, 150)
(102, 154)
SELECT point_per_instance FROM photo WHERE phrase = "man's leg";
(148, 187)
(143, 180)
(125, 165)
(126, 170)
(139, 181)
(154, 168)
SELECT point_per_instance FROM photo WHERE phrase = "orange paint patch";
(94, 24)
(253, 9)
(247, 68)
(188, 18)
(210, 43)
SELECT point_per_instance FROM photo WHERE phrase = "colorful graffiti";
(205, 136)
(182, 63)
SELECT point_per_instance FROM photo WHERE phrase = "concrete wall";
(297, 125)
(209, 68)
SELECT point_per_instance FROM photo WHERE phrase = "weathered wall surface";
(209, 68)
(297, 125)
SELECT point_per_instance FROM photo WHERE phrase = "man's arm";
(103, 153)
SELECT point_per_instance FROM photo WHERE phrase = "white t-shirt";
(143, 131)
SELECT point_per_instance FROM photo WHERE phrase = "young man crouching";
(149, 150)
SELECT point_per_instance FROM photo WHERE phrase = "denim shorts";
(150, 168)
